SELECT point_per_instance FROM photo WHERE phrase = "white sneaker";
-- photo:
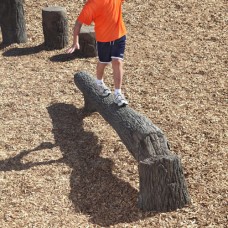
(120, 100)
(103, 90)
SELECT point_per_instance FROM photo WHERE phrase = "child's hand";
(73, 48)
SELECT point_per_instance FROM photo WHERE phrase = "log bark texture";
(12, 21)
(87, 42)
(162, 183)
(162, 175)
(55, 27)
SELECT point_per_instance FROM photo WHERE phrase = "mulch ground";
(60, 169)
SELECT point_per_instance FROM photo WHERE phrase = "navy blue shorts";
(111, 50)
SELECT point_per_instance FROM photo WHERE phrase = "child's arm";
(76, 32)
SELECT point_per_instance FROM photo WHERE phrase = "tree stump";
(87, 42)
(12, 21)
(55, 27)
(162, 183)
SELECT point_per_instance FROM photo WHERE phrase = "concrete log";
(162, 183)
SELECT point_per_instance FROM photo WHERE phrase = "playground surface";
(59, 168)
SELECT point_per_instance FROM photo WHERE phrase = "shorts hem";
(113, 57)
(104, 62)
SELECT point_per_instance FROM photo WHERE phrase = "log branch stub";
(162, 183)
(55, 27)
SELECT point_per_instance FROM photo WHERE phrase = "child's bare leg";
(100, 70)
(117, 66)
(103, 90)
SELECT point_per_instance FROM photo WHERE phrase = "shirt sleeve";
(87, 14)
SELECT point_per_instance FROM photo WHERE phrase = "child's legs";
(118, 49)
(100, 70)
(117, 66)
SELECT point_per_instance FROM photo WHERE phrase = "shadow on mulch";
(36, 49)
(95, 191)
(67, 57)
(24, 51)
(3, 45)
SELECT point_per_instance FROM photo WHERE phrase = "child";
(111, 38)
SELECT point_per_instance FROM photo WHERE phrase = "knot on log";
(162, 183)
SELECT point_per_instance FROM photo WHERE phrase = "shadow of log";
(15, 163)
(95, 191)
(3, 45)
(24, 51)
(66, 57)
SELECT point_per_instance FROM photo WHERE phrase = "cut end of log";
(162, 184)
(54, 9)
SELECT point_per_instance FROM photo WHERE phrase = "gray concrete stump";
(55, 27)
(87, 41)
(12, 21)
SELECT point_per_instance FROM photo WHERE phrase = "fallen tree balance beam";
(162, 183)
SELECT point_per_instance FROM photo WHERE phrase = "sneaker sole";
(104, 95)
(122, 104)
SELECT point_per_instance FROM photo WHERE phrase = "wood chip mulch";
(61, 169)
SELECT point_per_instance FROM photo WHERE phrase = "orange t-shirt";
(107, 16)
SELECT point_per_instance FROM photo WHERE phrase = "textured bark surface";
(87, 41)
(162, 175)
(162, 183)
(12, 21)
(141, 137)
(55, 27)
